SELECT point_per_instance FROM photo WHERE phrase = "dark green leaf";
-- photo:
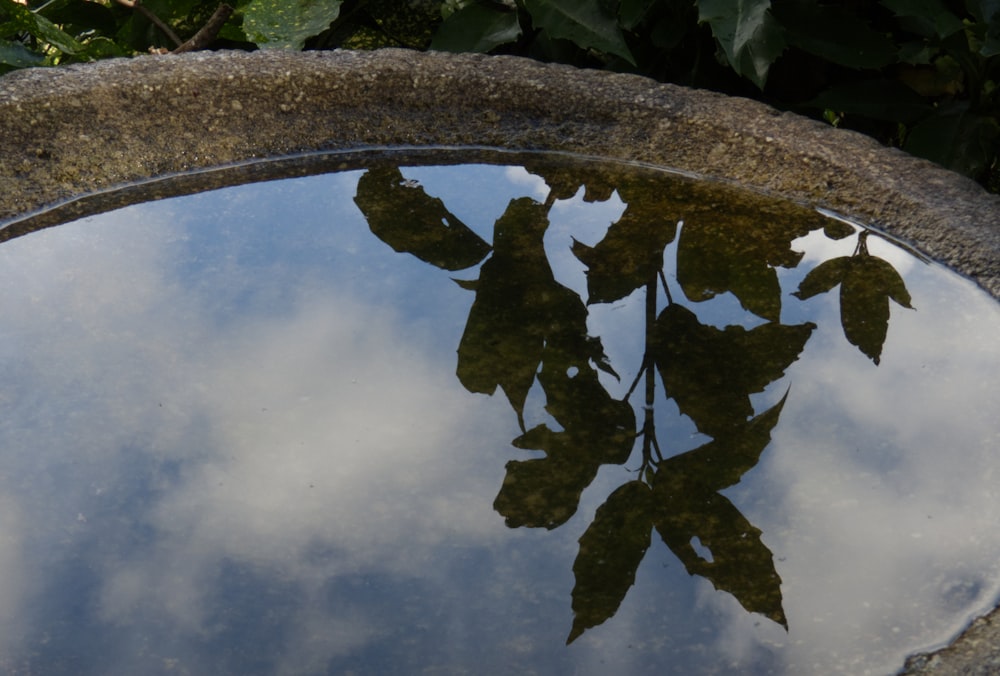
(735, 247)
(632, 12)
(587, 23)
(286, 24)
(603, 428)
(722, 462)
(834, 228)
(503, 340)
(835, 34)
(957, 138)
(983, 10)
(477, 28)
(917, 52)
(16, 55)
(888, 100)
(611, 550)
(81, 15)
(930, 18)
(866, 285)
(991, 39)
(20, 18)
(409, 220)
(687, 505)
(596, 429)
(750, 37)
(544, 492)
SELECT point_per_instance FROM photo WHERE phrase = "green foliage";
(747, 33)
(477, 28)
(587, 23)
(919, 74)
(287, 24)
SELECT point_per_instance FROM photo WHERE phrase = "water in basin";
(531, 415)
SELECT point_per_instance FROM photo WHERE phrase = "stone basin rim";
(92, 128)
(250, 171)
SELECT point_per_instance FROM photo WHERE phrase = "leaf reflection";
(526, 330)
(712, 372)
(688, 505)
(866, 285)
(736, 249)
(406, 218)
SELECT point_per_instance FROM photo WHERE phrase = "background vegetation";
(918, 74)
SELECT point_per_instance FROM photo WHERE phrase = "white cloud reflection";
(192, 450)
(328, 440)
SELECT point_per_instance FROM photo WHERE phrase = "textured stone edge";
(80, 130)
(93, 127)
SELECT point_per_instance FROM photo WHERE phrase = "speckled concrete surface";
(85, 129)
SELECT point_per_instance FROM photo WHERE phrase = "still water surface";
(547, 418)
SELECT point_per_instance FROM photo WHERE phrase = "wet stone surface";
(559, 416)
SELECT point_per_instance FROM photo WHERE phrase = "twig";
(167, 30)
(208, 32)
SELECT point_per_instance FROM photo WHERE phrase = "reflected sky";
(234, 442)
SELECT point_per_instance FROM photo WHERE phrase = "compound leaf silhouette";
(864, 303)
(866, 284)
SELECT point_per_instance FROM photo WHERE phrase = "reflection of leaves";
(712, 372)
(837, 229)
(722, 462)
(565, 180)
(688, 505)
(543, 492)
(519, 307)
(597, 429)
(610, 552)
(629, 254)
(737, 250)
(866, 285)
(409, 220)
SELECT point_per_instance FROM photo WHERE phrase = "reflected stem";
(649, 424)
(666, 289)
(646, 363)
(862, 248)
(647, 356)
